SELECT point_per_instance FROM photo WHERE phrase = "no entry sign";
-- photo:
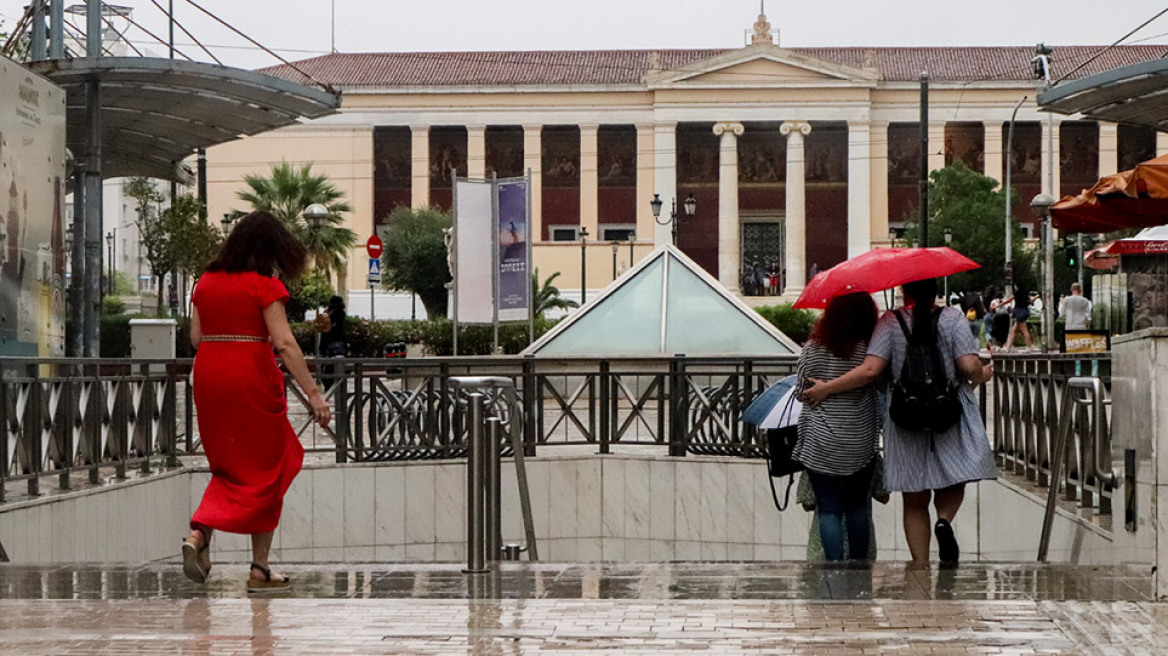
(373, 246)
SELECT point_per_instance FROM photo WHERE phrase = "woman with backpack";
(930, 464)
(837, 438)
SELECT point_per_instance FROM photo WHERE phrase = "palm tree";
(286, 192)
(547, 296)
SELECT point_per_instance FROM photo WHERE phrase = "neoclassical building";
(797, 158)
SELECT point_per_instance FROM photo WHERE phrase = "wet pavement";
(653, 608)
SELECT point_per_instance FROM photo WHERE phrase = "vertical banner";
(473, 227)
(513, 230)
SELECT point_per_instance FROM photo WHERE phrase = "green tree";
(969, 205)
(547, 296)
(195, 241)
(152, 235)
(286, 192)
(15, 46)
(311, 292)
(414, 259)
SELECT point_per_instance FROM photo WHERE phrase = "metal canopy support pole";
(37, 37)
(76, 344)
(454, 261)
(91, 300)
(91, 294)
(57, 29)
(494, 263)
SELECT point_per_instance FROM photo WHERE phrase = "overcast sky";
(302, 28)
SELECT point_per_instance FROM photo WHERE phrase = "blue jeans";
(843, 500)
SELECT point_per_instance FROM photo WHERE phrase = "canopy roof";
(1136, 94)
(666, 305)
(1136, 198)
(1149, 241)
(156, 112)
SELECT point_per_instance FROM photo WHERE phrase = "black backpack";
(924, 399)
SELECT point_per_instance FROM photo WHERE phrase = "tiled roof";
(602, 67)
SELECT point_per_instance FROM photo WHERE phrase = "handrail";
(1086, 391)
(484, 543)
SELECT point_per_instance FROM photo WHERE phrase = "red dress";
(243, 413)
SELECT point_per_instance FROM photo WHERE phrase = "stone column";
(664, 176)
(533, 162)
(1109, 149)
(936, 146)
(859, 188)
(796, 255)
(878, 154)
(589, 181)
(476, 151)
(420, 165)
(729, 239)
(993, 150)
(1053, 190)
(645, 180)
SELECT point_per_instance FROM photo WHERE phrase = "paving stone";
(545, 608)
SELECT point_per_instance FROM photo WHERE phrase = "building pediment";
(760, 66)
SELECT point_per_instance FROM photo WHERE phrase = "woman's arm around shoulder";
(862, 374)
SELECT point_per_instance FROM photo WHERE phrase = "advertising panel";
(32, 221)
(514, 242)
(473, 212)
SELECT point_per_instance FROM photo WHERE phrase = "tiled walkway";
(664, 608)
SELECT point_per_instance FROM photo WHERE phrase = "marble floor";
(567, 608)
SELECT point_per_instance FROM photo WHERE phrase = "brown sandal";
(267, 583)
(191, 553)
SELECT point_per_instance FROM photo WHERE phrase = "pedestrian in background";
(1076, 309)
(253, 452)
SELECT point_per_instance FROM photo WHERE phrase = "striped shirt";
(837, 437)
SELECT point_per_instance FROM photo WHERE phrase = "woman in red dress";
(237, 321)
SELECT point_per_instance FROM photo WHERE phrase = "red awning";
(1137, 198)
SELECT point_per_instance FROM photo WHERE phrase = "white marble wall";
(613, 507)
(134, 520)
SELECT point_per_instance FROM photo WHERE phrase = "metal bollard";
(512, 551)
(493, 466)
(475, 497)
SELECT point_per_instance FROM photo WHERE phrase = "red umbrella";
(880, 269)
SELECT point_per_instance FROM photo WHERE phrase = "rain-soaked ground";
(648, 608)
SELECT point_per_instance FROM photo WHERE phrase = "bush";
(111, 305)
(115, 336)
(476, 339)
(796, 324)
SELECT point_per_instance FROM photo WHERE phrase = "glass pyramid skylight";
(666, 305)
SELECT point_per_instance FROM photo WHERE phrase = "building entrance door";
(762, 257)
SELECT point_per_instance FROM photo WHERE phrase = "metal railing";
(1033, 404)
(405, 409)
(62, 416)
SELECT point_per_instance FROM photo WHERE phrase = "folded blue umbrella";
(761, 407)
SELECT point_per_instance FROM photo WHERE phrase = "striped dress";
(960, 454)
(837, 437)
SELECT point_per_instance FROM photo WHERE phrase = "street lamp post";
(109, 242)
(948, 240)
(226, 222)
(632, 254)
(615, 248)
(690, 204)
(892, 238)
(583, 264)
(1041, 205)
